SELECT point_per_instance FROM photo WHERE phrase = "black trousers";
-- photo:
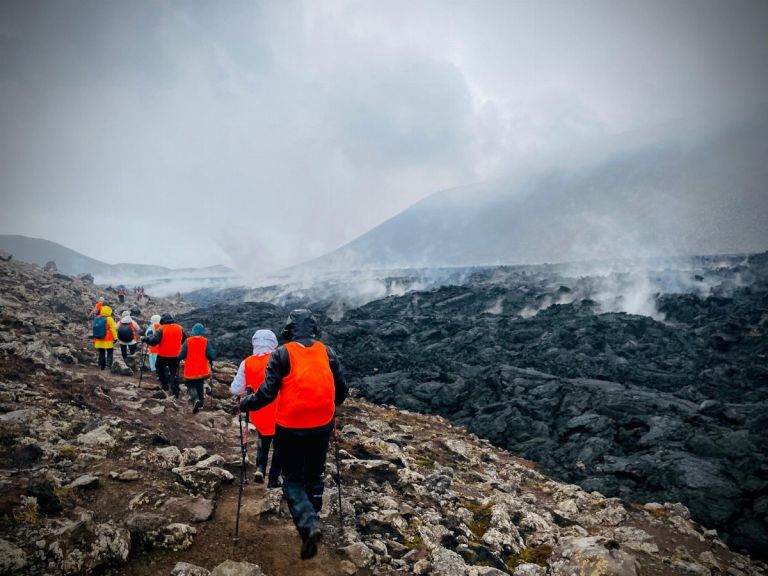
(168, 373)
(105, 357)
(262, 457)
(302, 456)
(126, 348)
(196, 390)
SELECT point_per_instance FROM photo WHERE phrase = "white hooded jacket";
(264, 342)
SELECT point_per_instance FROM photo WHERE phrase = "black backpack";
(100, 327)
(125, 333)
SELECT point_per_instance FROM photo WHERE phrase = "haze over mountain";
(40, 251)
(659, 199)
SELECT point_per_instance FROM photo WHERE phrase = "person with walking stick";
(250, 375)
(308, 376)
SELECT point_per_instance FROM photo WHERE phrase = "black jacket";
(301, 328)
(155, 338)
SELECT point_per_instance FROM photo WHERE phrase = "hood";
(198, 329)
(126, 316)
(166, 319)
(301, 323)
(264, 342)
(105, 311)
(155, 319)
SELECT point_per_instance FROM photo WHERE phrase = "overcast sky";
(261, 134)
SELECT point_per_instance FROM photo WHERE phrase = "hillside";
(663, 199)
(101, 475)
(39, 251)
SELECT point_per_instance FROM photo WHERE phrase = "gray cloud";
(262, 134)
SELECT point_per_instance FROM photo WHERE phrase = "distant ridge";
(39, 251)
(651, 200)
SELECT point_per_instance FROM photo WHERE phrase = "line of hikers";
(167, 344)
(289, 393)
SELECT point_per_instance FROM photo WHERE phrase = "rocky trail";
(100, 476)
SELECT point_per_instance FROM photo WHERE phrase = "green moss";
(414, 542)
(481, 518)
(535, 555)
(69, 452)
(26, 512)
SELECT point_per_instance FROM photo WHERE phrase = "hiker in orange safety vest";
(168, 339)
(198, 354)
(249, 377)
(96, 310)
(309, 379)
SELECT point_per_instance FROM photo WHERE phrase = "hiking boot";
(196, 407)
(258, 476)
(274, 484)
(309, 543)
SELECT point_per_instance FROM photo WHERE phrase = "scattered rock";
(12, 558)
(232, 568)
(185, 569)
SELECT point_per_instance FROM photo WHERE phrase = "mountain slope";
(660, 200)
(39, 251)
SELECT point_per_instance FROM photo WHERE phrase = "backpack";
(125, 333)
(100, 327)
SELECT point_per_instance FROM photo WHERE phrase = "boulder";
(232, 568)
(12, 558)
(185, 569)
(120, 367)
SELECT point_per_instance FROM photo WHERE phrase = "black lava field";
(668, 404)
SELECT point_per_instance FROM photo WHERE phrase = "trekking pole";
(338, 475)
(243, 451)
(141, 365)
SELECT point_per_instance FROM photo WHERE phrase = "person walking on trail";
(310, 381)
(96, 310)
(154, 325)
(250, 375)
(198, 355)
(127, 334)
(168, 338)
(121, 296)
(104, 336)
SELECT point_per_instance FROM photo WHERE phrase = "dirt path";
(271, 541)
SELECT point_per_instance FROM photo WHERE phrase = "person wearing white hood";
(249, 377)
(127, 334)
(154, 325)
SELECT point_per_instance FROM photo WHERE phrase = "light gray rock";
(84, 482)
(24, 416)
(194, 508)
(98, 437)
(587, 555)
(530, 570)
(12, 558)
(232, 568)
(185, 569)
(358, 553)
(447, 563)
(120, 367)
(79, 547)
(154, 531)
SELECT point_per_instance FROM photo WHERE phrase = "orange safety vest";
(154, 349)
(170, 343)
(264, 418)
(308, 392)
(196, 362)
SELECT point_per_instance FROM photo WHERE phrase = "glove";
(246, 402)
